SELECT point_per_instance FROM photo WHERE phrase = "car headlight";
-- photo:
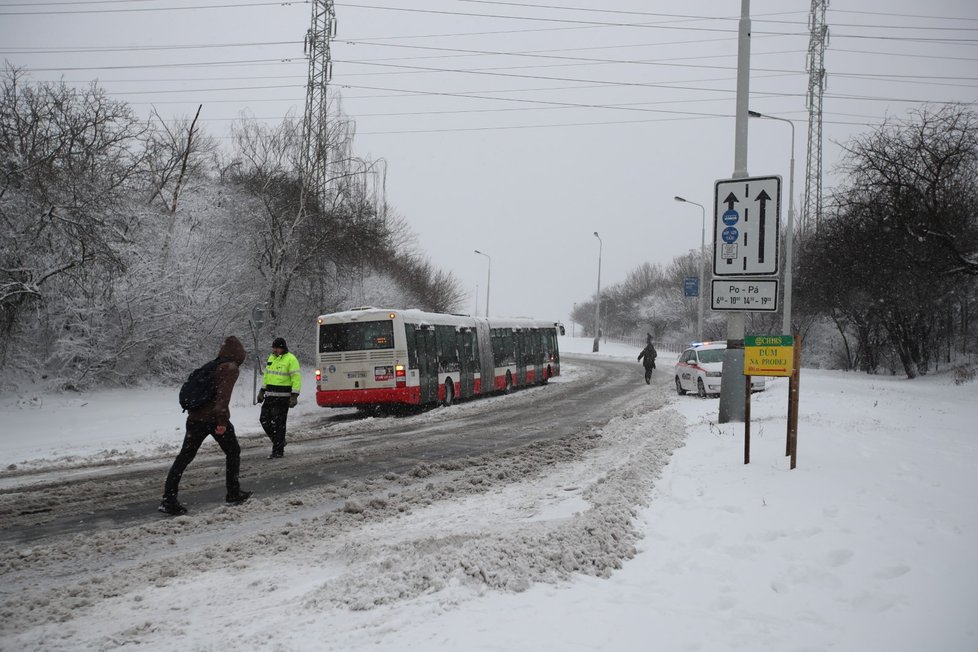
(713, 374)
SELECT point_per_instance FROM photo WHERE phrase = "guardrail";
(639, 343)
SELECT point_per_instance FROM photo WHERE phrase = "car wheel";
(679, 387)
(449, 393)
(700, 388)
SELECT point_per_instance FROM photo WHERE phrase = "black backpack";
(199, 389)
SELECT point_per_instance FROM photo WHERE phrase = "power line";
(190, 64)
(471, 71)
(144, 48)
(560, 125)
(545, 20)
(909, 39)
(237, 5)
(761, 18)
(903, 54)
(888, 14)
(76, 2)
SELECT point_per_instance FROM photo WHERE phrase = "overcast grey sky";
(521, 128)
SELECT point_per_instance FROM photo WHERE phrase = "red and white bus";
(371, 357)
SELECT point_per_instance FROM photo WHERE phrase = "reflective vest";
(282, 375)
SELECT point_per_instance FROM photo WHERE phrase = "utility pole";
(597, 300)
(818, 41)
(315, 128)
(734, 383)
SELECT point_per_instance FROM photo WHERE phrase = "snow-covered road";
(41, 503)
(531, 504)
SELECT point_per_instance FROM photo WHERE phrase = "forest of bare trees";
(887, 283)
(130, 248)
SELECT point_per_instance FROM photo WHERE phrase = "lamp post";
(699, 316)
(597, 302)
(789, 237)
(488, 278)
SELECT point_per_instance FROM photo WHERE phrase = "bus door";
(424, 343)
(533, 346)
(519, 338)
(468, 362)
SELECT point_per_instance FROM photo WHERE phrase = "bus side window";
(474, 350)
(411, 348)
(445, 339)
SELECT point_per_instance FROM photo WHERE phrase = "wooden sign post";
(774, 355)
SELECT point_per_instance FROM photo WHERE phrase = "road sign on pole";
(747, 225)
(691, 286)
(745, 295)
(258, 316)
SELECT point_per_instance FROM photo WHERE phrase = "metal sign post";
(256, 322)
(746, 242)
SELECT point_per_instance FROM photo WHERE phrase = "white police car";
(699, 370)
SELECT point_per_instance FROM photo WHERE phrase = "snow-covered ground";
(605, 543)
(41, 430)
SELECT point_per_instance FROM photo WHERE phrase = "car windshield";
(710, 355)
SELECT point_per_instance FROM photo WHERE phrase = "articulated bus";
(370, 357)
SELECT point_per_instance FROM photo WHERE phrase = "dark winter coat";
(649, 353)
(231, 356)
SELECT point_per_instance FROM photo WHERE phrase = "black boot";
(238, 498)
(172, 507)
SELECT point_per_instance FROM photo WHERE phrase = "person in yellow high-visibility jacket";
(279, 392)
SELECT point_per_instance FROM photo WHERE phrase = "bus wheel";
(449, 393)
(509, 383)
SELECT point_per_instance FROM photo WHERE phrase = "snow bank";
(586, 543)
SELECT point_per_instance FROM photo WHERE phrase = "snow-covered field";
(605, 542)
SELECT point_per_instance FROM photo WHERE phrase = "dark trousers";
(274, 415)
(197, 432)
(648, 373)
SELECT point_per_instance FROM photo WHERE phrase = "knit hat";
(279, 343)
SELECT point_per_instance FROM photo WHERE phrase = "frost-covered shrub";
(964, 374)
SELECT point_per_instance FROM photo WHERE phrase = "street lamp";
(699, 316)
(789, 237)
(597, 303)
(488, 278)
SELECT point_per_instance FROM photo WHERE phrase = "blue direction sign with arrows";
(747, 226)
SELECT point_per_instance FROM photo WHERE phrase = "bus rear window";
(356, 336)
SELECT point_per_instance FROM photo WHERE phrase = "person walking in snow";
(648, 353)
(279, 393)
(206, 396)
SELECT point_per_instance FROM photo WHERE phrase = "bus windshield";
(356, 336)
